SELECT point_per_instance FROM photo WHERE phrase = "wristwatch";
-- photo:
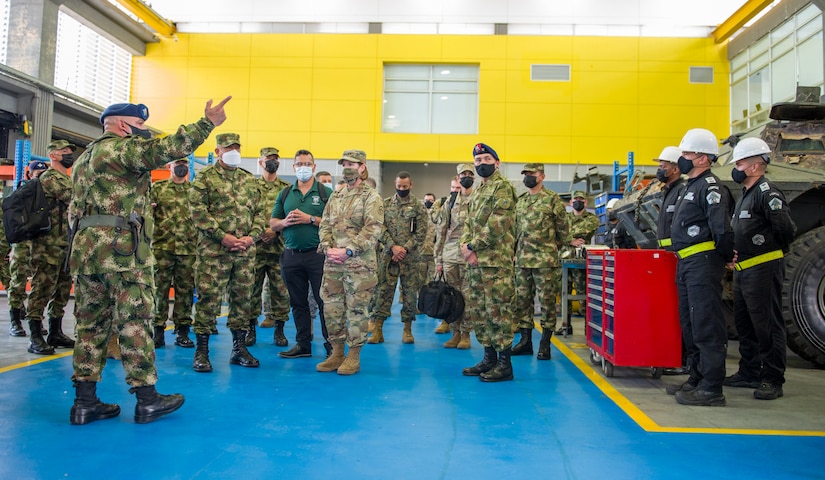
(349, 252)
(469, 247)
(312, 220)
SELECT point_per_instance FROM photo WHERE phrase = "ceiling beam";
(150, 17)
(740, 17)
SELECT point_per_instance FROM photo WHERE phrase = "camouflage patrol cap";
(125, 110)
(184, 159)
(228, 139)
(60, 145)
(533, 168)
(465, 167)
(357, 156)
(37, 165)
(267, 151)
(578, 194)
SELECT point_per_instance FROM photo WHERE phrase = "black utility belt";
(301, 250)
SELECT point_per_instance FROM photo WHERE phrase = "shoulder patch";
(775, 204)
(710, 179)
(689, 196)
(713, 197)
(764, 186)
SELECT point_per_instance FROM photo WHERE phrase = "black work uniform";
(762, 232)
(670, 195)
(703, 240)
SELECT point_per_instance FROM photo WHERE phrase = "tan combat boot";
(464, 342)
(334, 361)
(370, 327)
(407, 336)
(377, 332)
(453, 342)
(352, 364)
(443, 328)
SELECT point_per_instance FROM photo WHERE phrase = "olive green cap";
(465, 167)
(533, 168)
(228, 139)
(267, 151)
(357, 156)
(60, 145)
(578, 193)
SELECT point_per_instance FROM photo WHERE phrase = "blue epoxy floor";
(409, 413)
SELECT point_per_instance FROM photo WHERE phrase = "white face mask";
(303, 173)
(328, 185)
(232, 158)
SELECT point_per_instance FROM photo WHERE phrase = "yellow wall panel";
(459, 148)
(606, 48)
(492, 118)
(538, 149)
(690, 50)
(539, 119)
(343, 116)
(177, 46)
(280, 115)
(389, 146)
(605, 121)
(280, 62)
(288, 143)
(519, 88)
(203, 82)
(354, 46)
(282, 46)
(281, 83)
(471, 48)
(220, 45)
(549, 49)
(332, 144)
(605, 88)
(348, 84)
(409, 48)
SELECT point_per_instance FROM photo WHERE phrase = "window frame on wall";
(430, 98)
(760, 74)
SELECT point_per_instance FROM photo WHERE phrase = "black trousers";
(300, 270)
(699, 282)
(757, 311)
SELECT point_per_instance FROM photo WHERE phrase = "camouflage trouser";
(178, 271)
(346, 295)
(456, 274)
(491, 295)
(51, 286)
(532, 281)
(20, 271)
(119, 303)
(427, 269)
(409, 271)
(215, 276)
(276, 305)
(5, 269)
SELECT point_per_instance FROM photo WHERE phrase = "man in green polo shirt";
(297, 215)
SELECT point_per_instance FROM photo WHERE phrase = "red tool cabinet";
(632, 310)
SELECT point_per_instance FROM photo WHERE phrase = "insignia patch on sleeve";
(689, 196)
(693, 230)
(758, 239)
(764, 187)
(775, 204)
(714, 197)
(710, 179)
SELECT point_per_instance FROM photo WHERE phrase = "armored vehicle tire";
(803, 296)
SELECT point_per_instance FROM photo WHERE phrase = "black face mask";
(180, 170)
(145, 133)
(466, 182)
(738, 176)
(67, 160)
(402, 193)
(662, 175)
(684, 165)
(530, 181)
(271, 166)
(485, 169)
(428, 204)
(578, 205)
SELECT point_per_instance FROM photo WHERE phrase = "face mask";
(402, 193)
(684, 165)
(428, 204)
(231, 158)
(180, 170)
(303, 173)
(530, 181)
(328, 185)
(738, 176)
(67, 160)
(578, 205)
(662, 175)
(271, 166)
(466, 182)
(485, 169)
(611, 216)
(350, 175)
(145, 133)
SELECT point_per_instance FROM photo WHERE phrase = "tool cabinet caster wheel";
(656, 372)
(595, 358)
(608, 369)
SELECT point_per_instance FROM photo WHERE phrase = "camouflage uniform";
(175, 251)
(405, 224)
(5, 250)
(268, 259)
(427, 249)
(20, 271)
(448, 253)
(354, 219)
(110, 180)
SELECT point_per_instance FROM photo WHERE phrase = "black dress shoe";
(297, 351)
(700, 398)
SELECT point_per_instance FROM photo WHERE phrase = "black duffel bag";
(440, 300)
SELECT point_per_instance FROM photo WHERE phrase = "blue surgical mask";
(303, 173)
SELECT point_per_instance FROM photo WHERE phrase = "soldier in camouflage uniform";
(448, 257)
(175, 253)
(268, 254)
(583, 226)
(51, 282)
(112, 258)
(225, 202)
(541, 231)
(488, 245)
(405, 230)
(349, 231)
(5, 250)
(427, 252)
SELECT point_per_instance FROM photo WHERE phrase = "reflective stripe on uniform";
(694, 249)
(665, 242)
(759, 260)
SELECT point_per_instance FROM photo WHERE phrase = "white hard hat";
(699, 140)
(669, 154)
(612, 202)
(751, 147)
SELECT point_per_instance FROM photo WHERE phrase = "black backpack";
(26, 213)
(440, 300)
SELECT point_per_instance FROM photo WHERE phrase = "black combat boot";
(151, 405)
(525, 343)
(502, 371)
(251, 335)
(38, 344)
(485, 365)
(56, 337)
(201, 362)
(182, 337)
(544, 344)
(280, 339)
(158, 337)
(16, 327)
(240, 355)
(87, 407)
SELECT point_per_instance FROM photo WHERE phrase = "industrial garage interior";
(592, 90)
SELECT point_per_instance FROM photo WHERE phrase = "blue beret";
(37, 165)
(125, 110)
(481, 148)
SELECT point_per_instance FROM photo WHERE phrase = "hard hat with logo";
(669, 154)
(751, 147)
(699, 140)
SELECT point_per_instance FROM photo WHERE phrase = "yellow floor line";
(646, 422)
(29, 363)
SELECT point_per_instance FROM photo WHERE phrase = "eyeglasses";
(303, 164)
